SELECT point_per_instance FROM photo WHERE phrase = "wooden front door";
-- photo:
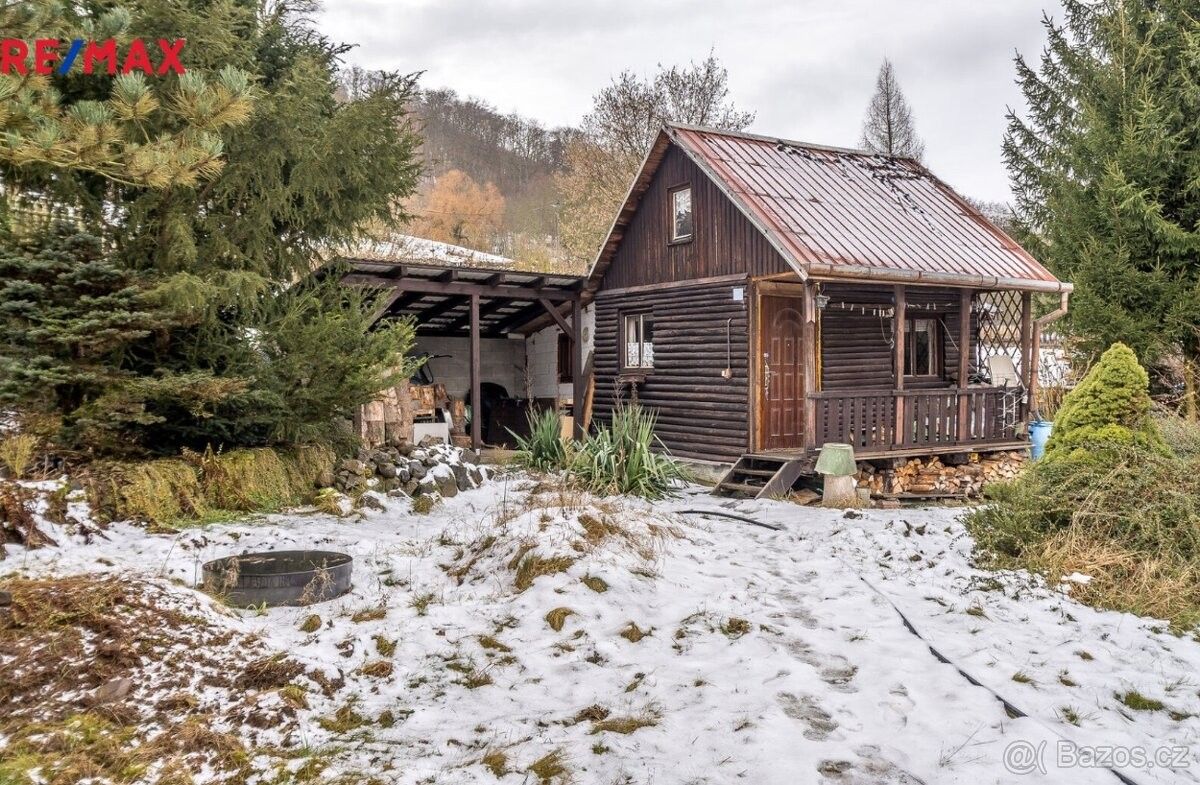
(781, 369)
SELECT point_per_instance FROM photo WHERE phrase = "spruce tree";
(243, 347)
(1105, 164)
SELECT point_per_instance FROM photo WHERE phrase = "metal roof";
(840, 213)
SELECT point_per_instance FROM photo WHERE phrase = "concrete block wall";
(501, 360)
(542, 354)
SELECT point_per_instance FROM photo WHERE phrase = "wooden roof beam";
(461, 288)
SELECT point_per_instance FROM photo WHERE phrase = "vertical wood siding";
(855, 348)
(724, 242)
(700, 413)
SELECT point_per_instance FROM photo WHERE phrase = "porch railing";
(938, 417)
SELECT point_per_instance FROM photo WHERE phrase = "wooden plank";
(962, 427)
(567, 328)
(481, 289)
(1027, 369)
(900, 306)
(476, 402)
(578, 382)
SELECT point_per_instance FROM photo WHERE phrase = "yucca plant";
(544, 449)
(621, 457)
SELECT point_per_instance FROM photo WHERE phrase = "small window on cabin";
(637, 333)
(681, 214)
(922, 348)
(564, 359)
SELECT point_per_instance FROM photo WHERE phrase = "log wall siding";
(700, 414)
(855, 348)
(723, 241)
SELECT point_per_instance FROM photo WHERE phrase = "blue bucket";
(1039, 434)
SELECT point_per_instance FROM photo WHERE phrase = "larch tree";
(888, 127)
(460, 211)
(626, 116)
(1105, 167)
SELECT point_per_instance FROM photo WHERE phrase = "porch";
(932, 421)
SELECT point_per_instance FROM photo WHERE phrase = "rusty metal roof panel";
(832, 209)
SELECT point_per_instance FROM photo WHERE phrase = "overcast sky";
(806, 67)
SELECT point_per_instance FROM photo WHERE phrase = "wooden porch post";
(476, 402)
(963, 427)
(898, 323)
(1027, 361)
(809, 349)
(578, 383)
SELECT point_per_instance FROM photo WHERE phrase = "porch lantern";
(836, 464)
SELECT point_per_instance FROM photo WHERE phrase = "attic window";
(681, 214)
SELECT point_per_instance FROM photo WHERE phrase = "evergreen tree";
(67, 311)
(243, 347)
(1105, 166)
(888, 127)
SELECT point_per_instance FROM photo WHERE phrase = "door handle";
(767, 374)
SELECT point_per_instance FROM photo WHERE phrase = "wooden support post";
(809, 349)
(899, 319)
(1027, 359)
(963, 427)
(578, 383)
(476, 396)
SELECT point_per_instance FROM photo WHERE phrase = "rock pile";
(933, 477)
(415, 469)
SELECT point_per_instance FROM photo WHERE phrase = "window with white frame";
(681, 214)
(923, 345)
(637, 334)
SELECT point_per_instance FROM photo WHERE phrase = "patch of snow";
(771, 656)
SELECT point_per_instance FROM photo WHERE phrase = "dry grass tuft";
(593, 713)
(374, 613)
(626, 725)
(476, 679)
(549, 768)
(495, 761)
(558, 617)
(634, 633)
(377, 669)
(1148, 584)
(424, 504)
(17, 453)
(385, 646)
(344, 720)
(532, 566)
(490, 642)
(734, 628)
(595, 583)
(311, 623)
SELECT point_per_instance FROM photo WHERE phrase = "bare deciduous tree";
(888, 127)
(625, 118)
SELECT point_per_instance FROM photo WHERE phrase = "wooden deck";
(913, 452)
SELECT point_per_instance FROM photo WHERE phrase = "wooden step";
(733, 487)
(757, 472)
(761, 476)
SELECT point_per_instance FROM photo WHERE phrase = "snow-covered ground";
(724, 651)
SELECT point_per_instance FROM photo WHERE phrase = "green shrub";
(621, 457)
(544, 449)
(1111, 500)
(1111, 406)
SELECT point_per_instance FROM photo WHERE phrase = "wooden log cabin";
(766, 297)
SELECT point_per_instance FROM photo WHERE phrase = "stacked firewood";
(934, 477)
